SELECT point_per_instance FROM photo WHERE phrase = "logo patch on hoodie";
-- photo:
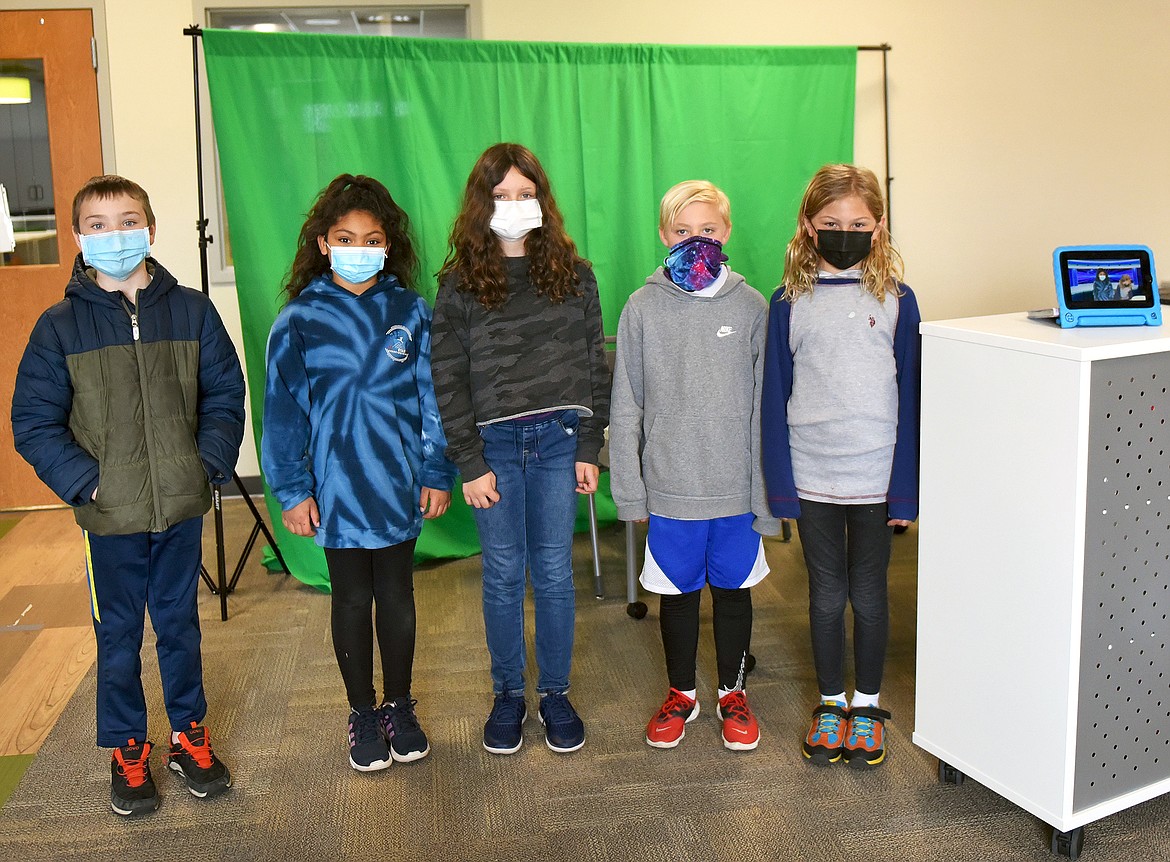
(398, 347)
(725, 331)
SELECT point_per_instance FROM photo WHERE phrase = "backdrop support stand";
(222, 586)
(885, 49)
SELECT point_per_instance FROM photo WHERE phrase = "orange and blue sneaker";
(865, 745)
(669, 724)
(826, 738)
(740, 730)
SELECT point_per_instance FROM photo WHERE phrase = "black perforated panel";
(1123, 722)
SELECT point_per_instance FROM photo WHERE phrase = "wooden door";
(62, 40)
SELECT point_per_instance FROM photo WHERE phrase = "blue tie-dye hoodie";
(349, 412)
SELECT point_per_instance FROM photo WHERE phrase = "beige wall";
(1016, 126)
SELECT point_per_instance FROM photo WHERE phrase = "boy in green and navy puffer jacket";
(129, 400)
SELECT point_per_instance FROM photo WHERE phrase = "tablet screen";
(1106, 278)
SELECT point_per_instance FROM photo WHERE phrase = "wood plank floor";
(46, 635)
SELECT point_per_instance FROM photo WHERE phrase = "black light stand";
(221, 586)
(885, 48)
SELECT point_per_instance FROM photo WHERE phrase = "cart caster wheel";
(1068, 844)
(749, 663)
(947, 774)
(636, 609)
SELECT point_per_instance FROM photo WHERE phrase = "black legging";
(847, 553)
(731, 612)
(382, 578)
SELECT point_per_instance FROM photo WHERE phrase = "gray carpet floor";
(278, 718)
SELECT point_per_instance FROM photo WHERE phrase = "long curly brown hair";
(344, 195)
(474, 253)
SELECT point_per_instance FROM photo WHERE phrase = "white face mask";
(514, 219)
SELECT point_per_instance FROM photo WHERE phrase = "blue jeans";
(531, 527)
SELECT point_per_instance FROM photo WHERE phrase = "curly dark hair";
(474, 253)
(344, 195)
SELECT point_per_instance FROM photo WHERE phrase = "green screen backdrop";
(615, 126)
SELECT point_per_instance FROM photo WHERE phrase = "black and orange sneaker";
(826, 738)
(865, 743)
(132, 790)
(741, 732)
(192, 758)
(669, 724)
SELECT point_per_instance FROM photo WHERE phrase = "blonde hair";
(688, 192)
(881, 271)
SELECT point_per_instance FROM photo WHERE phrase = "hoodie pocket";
(697, 456)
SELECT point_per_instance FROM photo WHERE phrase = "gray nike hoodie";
(684, 432)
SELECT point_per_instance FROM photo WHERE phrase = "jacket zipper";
(147, 419)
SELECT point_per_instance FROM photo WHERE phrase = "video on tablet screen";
(1105, 281)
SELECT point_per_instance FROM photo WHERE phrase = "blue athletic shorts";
(682, 556)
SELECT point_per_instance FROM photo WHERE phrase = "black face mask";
(844, 249)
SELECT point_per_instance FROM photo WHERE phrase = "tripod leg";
(224, 585)
(261, 525)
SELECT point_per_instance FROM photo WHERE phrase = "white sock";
(723, 692)
(841, 698)
(860, 699)
(689, 693)
(174, 737)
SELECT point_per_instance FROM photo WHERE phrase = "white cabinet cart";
(1044, 565)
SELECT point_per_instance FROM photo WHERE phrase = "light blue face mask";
(356, 265)
(116, 253)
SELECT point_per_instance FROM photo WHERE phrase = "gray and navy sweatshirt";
(530, 355)
(841, 396)
(684, 435)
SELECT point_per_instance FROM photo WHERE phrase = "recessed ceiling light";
(402, 19)
(265, 28)
(15, 91)
(375, 19)
(322, 22)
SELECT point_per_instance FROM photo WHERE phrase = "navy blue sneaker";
(504, 731)
(368, 751)
(400, 726)
(563, 729)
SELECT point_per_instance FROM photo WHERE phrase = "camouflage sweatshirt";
(528, 356)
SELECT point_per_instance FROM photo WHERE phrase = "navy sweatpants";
(129, 575)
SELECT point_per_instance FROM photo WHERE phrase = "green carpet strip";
(11, 770)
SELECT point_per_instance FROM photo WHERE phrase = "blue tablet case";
(1106, 285)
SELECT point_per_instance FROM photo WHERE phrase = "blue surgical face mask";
(695, 263)
(356, 265)
(116, 253)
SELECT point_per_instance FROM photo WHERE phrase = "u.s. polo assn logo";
(400, 339)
